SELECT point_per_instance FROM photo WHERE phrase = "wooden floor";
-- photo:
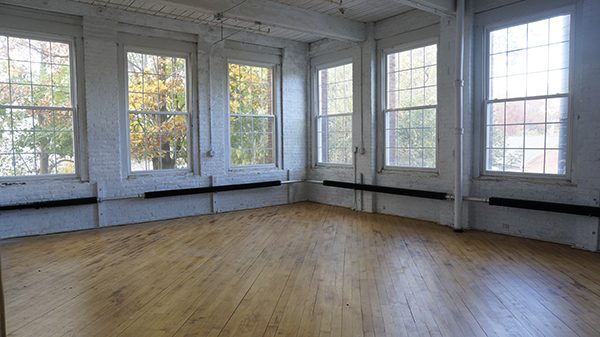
(298, 270)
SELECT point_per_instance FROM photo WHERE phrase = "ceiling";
(358, 10)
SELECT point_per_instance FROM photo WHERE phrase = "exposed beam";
(280, 15)
(439, 7)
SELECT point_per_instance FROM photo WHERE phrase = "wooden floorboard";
(302, 270)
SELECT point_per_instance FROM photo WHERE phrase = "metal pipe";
(2, 312)
(313, 181)
(120, 198)
(458, 148)
(477, 199)
(285, 182)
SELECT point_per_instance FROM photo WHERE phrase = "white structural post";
(460, 57)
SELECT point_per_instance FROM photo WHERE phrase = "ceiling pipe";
(460, 83)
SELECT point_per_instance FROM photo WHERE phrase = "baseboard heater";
(210, 189)
(387, 190)
(546, 206)
(51, 204)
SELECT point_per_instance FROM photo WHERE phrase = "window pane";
(528, 135)
(252, 122)
(335, 90)
(335, 101)
(410, 134)
(36, 122)
(335, 139)
(158, 118)
(251, 140)
(156, 83)
(158, 141)
(250, 90)
(413, 131)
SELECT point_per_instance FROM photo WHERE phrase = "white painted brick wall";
(107, 178)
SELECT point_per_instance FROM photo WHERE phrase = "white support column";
(458, 149)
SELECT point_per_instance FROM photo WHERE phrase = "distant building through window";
(528, 97)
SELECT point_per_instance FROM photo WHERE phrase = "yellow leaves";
(153, 134)
(156, 83)
(250, 89)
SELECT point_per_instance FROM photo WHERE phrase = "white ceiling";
(359, 10)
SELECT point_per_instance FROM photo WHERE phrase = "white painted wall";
(102, 127)
(582, 188)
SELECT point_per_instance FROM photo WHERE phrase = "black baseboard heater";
(546, 206)
(51, 204)
(387, 190)
(210, 189)
(493, 201)
(147, 195)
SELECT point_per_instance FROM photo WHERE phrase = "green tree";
(157, 93)
(35, 84)
(251, 115)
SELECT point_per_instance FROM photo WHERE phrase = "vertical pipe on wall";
(2, 312)
(458, 149)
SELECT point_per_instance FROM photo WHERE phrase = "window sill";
(25, 180)
(254, 169)
(160, 173)
(332, 166)
(533, 179)
(409, 170)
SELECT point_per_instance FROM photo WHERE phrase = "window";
(36, 107)
(158, 112)
(251, 115)
(528, 97)
(334, 115)
(411, 108)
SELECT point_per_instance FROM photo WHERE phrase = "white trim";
(484, 25)
(410, 41)
(161, 47)
(73, 39)
(265, 61)
(322, 62)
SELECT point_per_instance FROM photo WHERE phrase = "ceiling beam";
(276, 14)
(439, 7)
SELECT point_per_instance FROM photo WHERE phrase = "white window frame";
(73, 38)
(144, 45)
(318, 66)
(276, 85)
(482, 92)
(384, 90)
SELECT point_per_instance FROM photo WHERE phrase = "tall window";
(334, 118)
(251, 115)
(528, 98)
(158, 112)
(411, 108)
(36, 107)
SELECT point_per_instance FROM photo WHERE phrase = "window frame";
(74, 40)
(484, 87)
(384, 52)
(190, 103)
(315, 110)
(277, 141)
